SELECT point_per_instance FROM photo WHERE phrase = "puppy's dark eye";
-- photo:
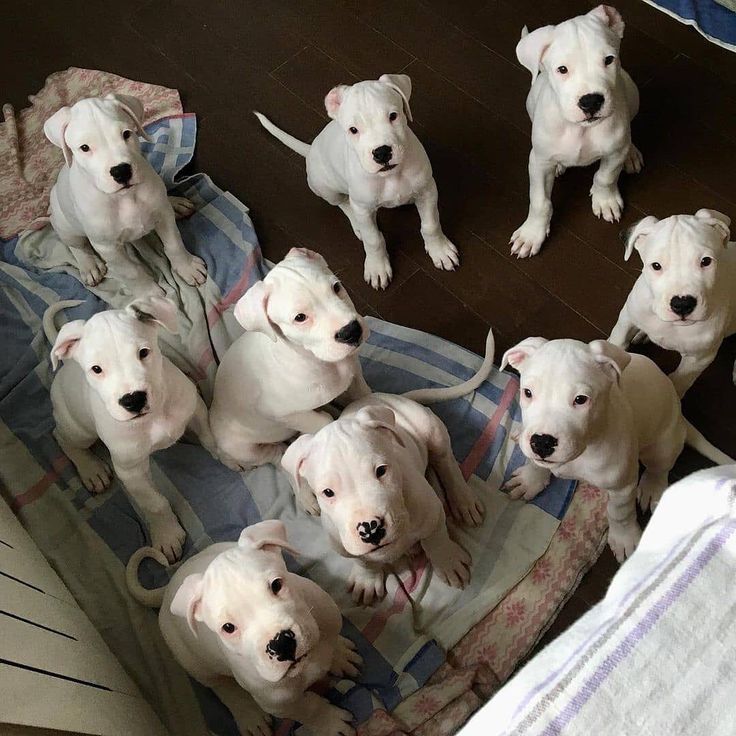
(608, 60)
(705, 262)
(127, 134)
(143, 353)
(562, 69)
(301, 317)
(392, 116)
(657, 266)
(381, 470)
(229, 628)
(336, 287)
(96, 369)
(84, 147)
(580, 400)
(328, 492)
(527, 393)
(276, 585)
(353, 130)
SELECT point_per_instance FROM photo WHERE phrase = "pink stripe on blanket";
(41, 486)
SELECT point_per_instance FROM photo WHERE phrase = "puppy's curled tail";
(150, 598)
(49, 327)
(295, 144)
(431, 395)
(696, 440)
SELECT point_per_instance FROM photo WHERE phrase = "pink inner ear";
(333, 100)
(516, 357)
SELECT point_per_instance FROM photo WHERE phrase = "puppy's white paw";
(377, 271)
(92, 269)
(251, 720)
(607, 203)
(527, 482)
(335, 721)
(527, 240)
(443, 253)
(193, 270)
(634, 160)
(452, 565)
(167, 535)
(560, 170)
(182, 207)
(650, 490)
(368, 586)
(94, 473)
(345, 661)
(624, 539)
(465, 507)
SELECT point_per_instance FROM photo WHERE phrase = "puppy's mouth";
(125, 187)
(387, 167)
(293, 668)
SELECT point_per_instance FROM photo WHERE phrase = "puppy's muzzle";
(372, 532)
(122, 173)
(382, 154)
(134, 402)
(543, 445)
(283, 646)
(683, 305)
(350, 334)
(591, 103)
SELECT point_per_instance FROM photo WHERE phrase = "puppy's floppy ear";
(611, 358)
(251, 310)
(268, 535)
(611, 17)
(334, 99)
(55, 129)
(293, 459)
(402, 84)
(66, 341)
(187, 600)
(379, 417)
(519, 353)
(634, 236)
(134, 108)
(721, 222)
(531, 48)
(309, 255)
(155, 309)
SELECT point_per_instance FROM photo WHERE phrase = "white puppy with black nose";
(593, 412)
(581, 105)
(116, 385)
(685, 298)
(299, 353)
(260, 636)
(368, 157)
(107, 194)
(365, 474)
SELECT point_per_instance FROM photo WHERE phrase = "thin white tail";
(149, 598)
(295, 144)
(696, 440)
(49, 327)
(431, 395)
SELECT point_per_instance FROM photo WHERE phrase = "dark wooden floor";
(228, 57)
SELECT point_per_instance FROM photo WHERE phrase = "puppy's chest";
(582, 146)
(127, 218)
(323, 387)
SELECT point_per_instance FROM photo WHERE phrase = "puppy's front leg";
(191, 268)
(442, 252)
(199, 425)
(377, 270)
(527, 481)
(318, 715)
(606, 198)
(449, 560)
(166, 532)
(357, 389)
(307, 422)
(623, 529)
(624, 329)
(367, 583)
(687, 372)
(528, 239)
(251, 720)
(92, 268)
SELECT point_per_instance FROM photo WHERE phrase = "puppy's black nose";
(372, 532)
(283, 646)
(591, 103)
(121, 173)
(683, 305)
(350, 334)
(543, 445)
(382, 154)
(134, 402)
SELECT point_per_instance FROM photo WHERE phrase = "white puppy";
(260, 636)
(116, 385)
(298, 354)
(367, 157)
(592, 413)
(107, 194)
(581, 105)
(365, 473)
(685, 298)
